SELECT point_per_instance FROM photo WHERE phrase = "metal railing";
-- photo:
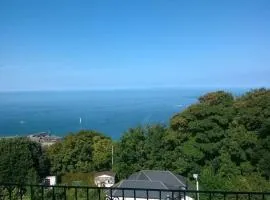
(62, 192)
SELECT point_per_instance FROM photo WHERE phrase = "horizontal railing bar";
(137, 189)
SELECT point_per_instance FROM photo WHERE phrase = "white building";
(50, 181)
(104, 179)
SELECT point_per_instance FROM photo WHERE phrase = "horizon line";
(134, 88)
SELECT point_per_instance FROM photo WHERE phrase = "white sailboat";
(80, 121)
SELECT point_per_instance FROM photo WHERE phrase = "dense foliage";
(224, 139)
(78, 178)
(85, 151)
(21, 161)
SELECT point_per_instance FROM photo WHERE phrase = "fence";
(61, 192)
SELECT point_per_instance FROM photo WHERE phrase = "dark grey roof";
(150, 179)
(181, 178)
(138, 176)
(169, 179)
(142, 184)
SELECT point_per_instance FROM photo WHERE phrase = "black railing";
(62, 192)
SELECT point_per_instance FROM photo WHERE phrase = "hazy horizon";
(211, 88)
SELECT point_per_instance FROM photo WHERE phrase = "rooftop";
(151, 179)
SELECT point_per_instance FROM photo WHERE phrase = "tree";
(130, 152)
(227, 135)
(85, 151)
(101, 152)
(261, 154)
(21, 161)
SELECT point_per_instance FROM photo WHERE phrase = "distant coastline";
(44, 138)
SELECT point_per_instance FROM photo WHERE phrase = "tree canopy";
(85, 151)
(224, 139)
(21, 161)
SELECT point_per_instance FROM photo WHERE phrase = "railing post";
(123, 194)
(111, 193)
(134, 193)
(99, 195)
(20, 192)
(31, 192)
(65, 192)
(42, 192)
(76, 195)
(10, 192)
(53, 193)
(147, 195)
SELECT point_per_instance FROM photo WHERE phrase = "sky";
(97, 44)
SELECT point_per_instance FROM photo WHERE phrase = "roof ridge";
(176, 178)
(142, 180)
(138, 173)
(163, 184)
(119, 185)
(146, 175)
(154, 170)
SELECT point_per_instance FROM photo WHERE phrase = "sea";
(111, 112)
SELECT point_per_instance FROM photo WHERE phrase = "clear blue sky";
(63, 44)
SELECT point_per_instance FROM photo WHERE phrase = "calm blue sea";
(109, 111)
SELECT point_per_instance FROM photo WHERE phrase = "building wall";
(104, 181)
(52, 180)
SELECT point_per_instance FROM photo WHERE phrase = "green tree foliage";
(224, 139)
(78, 177)
(140, 148)
(21, 161)
(85, 151)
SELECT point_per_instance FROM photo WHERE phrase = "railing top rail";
(137, 189)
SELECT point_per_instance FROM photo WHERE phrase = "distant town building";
(104, 179)
(44, 138)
